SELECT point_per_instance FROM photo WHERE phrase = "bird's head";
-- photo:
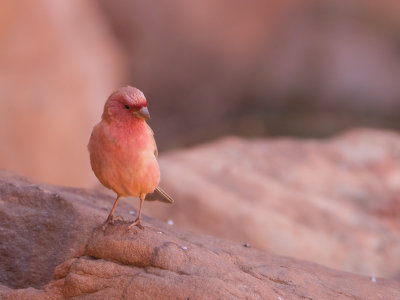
(126, 104)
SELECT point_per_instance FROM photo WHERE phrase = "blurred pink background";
(208, 69)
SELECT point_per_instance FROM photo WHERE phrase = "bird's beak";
(143, 113)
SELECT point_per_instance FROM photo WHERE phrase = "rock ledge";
(160, 261)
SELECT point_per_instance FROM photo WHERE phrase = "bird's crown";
(129, 96)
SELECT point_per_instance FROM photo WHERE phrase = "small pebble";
(131, 212)
(373, 279)
(184, 248)
(159, 232)
(279, 298)
(247, 245)
(170, 222)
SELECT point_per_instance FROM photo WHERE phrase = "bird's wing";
(154, 141)
(155, 150)
(159, 195)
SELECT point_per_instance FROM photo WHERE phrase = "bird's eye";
(127, 107)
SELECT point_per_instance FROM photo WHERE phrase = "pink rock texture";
(159, 262)
(334, 201)
(58, 63)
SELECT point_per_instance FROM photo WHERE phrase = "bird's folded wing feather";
(159, 195)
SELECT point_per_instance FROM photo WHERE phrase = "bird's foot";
(110, 220)
(137, 223)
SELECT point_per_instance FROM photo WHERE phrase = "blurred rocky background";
(58, 62)
(262, 67)
(208, 68)
(216, 68)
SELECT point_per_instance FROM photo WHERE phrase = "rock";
(335, 202)
(59, 62)
(39, 227)
(63, 228)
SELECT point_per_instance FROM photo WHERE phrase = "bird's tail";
(159, 195)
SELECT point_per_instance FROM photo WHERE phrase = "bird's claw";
(110, 220)
(137, 223)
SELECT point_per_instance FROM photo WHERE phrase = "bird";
(123, 151)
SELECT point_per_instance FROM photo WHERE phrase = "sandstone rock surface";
(335, 201)
(158, 262)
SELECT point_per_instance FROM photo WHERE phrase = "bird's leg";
(110, 219)
(137, 221)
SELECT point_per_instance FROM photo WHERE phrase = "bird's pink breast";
(123, 158)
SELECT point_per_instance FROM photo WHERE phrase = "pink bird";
(123, 152)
